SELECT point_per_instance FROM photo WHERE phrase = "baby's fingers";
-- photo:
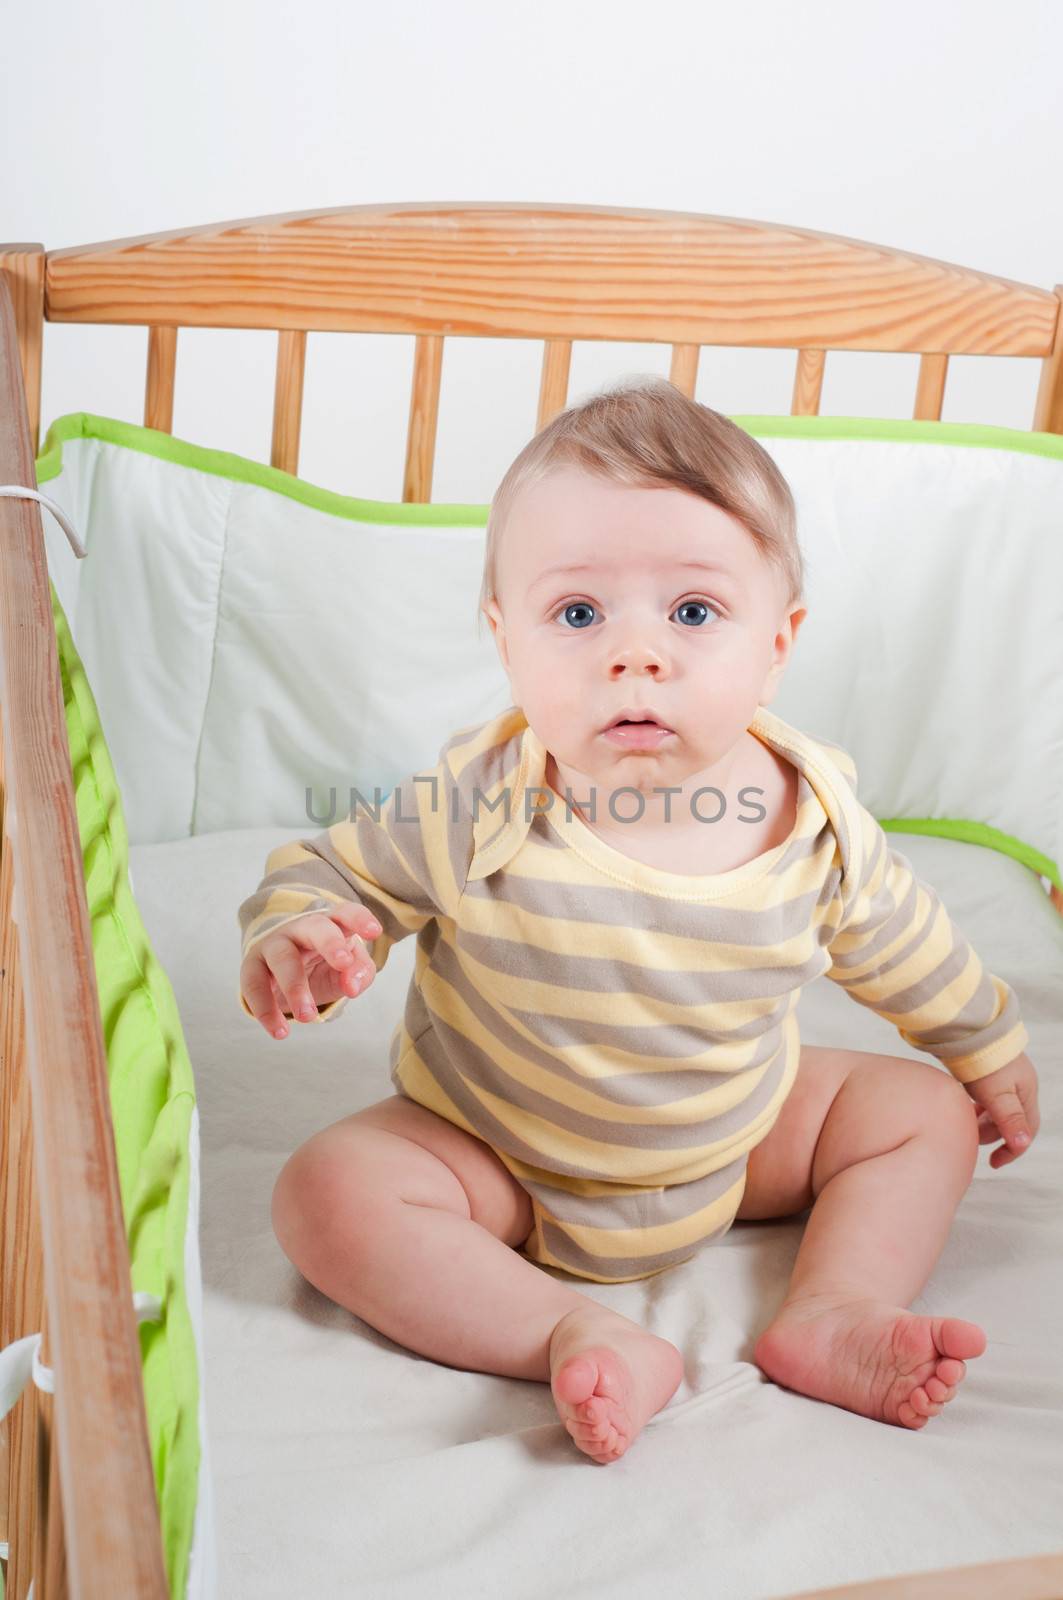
(1003, 1155)
(262, 996)
(1016, 1138)
(356, 919)
(987, 1128)
(280, 1030)
(1009, 1116)
(352, 967)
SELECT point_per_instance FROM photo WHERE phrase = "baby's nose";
(638, 655)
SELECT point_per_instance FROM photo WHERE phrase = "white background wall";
(932, 125)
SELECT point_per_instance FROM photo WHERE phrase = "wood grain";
(159, 383)
(288, 400)
(550, 272)
(808, 383)
(1028, 1578)
(23, 265)
(1048, 412)
(553, 385)
(684, 369)
(21, 1262)
(424, 414)
(930, 389)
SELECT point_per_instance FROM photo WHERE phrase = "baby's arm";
(897, 950)
(398, 866)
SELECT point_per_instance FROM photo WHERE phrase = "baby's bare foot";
(608, 1377)
(868, 1356)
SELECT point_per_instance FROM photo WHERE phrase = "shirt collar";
(499, 833)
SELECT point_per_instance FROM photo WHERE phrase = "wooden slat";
(21, 1262)
(1027, 1578)
(930, 390)
(553, 386)
(684, 370)
(1048, 411)
(14, 1127)
(24, 266)
(108, 1491)
(549, 272)
(424, 413)
(288, 399)
(158, 389)
(808, 383)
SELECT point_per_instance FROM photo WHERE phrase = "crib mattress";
(344, 1464)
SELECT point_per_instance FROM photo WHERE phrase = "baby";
(619, 887)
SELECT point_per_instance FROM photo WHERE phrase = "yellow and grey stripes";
(622, 1036)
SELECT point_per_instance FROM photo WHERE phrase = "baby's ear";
(492, 612)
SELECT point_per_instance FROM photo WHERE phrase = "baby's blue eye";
(693, 605)
(579, 606)
(580, 613)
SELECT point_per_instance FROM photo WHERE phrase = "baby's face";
(670, 610)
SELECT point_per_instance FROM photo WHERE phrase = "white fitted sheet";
(345, 1464)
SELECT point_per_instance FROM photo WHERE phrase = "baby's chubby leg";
(412, 1224)
(885, 1148)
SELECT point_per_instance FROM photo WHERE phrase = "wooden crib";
(79, 1505)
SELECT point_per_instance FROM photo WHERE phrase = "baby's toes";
(951, 1371)
(586, 1432)
(939, 1391)
(922, 1404)
(609, 1448)
(909, 1416)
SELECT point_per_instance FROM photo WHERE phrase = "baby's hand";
(1008, 1102)
(307, 963)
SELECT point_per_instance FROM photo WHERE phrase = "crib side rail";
(64, 1263)
(550, 272)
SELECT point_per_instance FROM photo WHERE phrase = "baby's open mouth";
(637, 729)
(635, 719)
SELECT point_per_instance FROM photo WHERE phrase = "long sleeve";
(407, 866)
(896, 950)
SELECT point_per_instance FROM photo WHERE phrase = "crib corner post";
(1048, 412)
(24, 266)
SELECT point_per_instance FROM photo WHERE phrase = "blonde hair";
(647, 432)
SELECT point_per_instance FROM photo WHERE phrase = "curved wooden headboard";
(525, 271)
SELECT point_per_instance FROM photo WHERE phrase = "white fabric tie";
(16, 491)
(20, 1360)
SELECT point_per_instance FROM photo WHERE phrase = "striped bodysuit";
(622, 1036)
